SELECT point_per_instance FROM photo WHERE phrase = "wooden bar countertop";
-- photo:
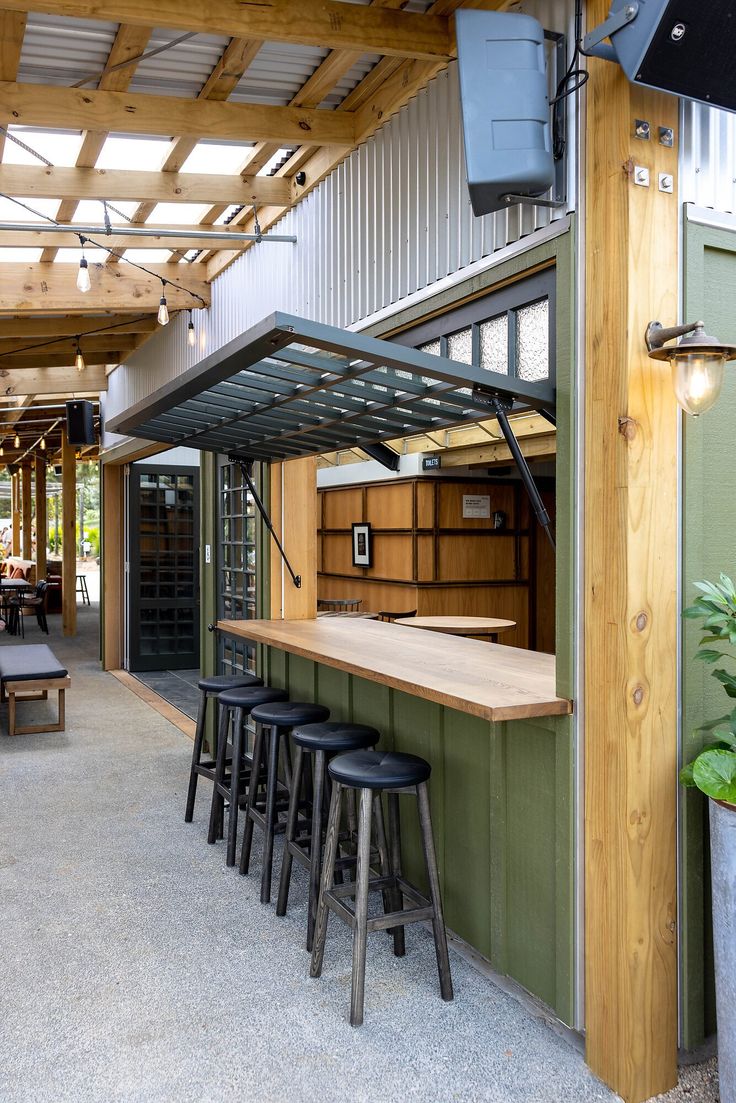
(483, 679)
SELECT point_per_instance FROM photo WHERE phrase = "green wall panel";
(501, 810)
(709, 547)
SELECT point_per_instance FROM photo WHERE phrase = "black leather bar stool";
(210, 687)
(371, 773)
(323, 741)
(235, 705)
(277, 719)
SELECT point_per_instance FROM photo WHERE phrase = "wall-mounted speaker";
(505, 107)
(58, 469)
(680, 46)
(80, 422)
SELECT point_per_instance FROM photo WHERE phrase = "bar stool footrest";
(418, 914)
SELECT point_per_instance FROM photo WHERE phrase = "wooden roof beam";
(49, 346)
(37, 181)
(327, 23)
(52, 289)
(129, 44)
(64, 108)
(51, 380)
(36, 236)
(39, 327)
(12, 30)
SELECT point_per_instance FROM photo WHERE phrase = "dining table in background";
(460, 626)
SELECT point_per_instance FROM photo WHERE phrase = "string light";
(43, 444)
(191, 337)
(2, 450)
(163, 310)
(16, 442)
(79, 359)
(83, 281)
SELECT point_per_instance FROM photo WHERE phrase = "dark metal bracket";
(593, 43)
(502, 406)
(246, 467)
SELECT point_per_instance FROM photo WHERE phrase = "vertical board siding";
(708, 157)
(501, 811)
(392, 219)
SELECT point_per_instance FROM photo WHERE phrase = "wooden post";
(113, 564)
(69, 536)
(42, 527)
(27, 520)
(630, 615)
(294, 517)
(15, 492)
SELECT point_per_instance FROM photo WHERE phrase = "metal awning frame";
(260, 399)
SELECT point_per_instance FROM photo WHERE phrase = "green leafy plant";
(713, 771)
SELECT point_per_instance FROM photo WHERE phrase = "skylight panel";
(57, 146)
(277, 158)
(148, 256)
(90, 212)
(142, 154)
(13, 212)
(22, 256)
(178, 214)
(211, 157)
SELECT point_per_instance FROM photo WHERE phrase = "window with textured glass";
(510, 331)
(236, 565)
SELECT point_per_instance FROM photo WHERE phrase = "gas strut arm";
(244, 465)
(501, 408)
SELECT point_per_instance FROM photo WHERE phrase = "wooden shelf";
(483, 679)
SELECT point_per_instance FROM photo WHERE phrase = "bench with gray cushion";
(31, 670)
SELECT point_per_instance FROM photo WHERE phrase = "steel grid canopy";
(289, 387)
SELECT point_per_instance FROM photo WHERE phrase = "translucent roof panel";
(145, 154)
(289, 387)
(178, 214)
(215, 157)
(60, 147)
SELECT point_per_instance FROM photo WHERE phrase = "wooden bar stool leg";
(272, 778)
(315, 845)
(232, 821)
(394, 831)
(327, 882)
(255, 774)
(382, 847)
(360, 931)
(291, 823)
(218, 802)
(438, 921)
(196, 755)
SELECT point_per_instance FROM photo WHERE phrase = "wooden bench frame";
(34, 689)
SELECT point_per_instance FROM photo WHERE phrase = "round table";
(460, 626)
(9, 586)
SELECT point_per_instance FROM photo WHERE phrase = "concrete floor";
(136, 967)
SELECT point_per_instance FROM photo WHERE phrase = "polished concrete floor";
(135, 967)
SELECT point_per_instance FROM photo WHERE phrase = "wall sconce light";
(698, 362)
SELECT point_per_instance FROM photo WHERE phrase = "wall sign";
(361, 545)
(431, 463)
(476, 505)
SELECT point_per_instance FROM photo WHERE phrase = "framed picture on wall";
(361, 545)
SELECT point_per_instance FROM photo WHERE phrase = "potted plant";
(713, 771)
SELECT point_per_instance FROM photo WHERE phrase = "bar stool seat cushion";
(288, 713)
(215, 683)
(247, 697)
(334, 737)
(379, 770)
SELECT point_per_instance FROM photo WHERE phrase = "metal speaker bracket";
(593, 43)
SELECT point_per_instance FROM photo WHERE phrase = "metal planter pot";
(723, 867)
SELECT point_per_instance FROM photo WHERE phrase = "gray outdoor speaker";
(680, 46)
(506, 114)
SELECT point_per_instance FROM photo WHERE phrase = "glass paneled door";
(164, 568)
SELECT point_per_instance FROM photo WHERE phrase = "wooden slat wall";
(630, 582)
(293, 487)
(113, 565)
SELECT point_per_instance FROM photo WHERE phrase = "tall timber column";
(42, 528)
(293, 487)
(69, 536)
(630, 615)
(26, 505)
(15, 495)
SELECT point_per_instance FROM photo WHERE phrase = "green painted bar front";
(500, 796)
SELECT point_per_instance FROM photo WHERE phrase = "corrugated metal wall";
(708, 157)
(392, 219)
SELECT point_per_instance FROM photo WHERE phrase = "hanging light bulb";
(191, 336)
(2, 450)
(16, 442)
(43, 444)
(79, 359)
(163, 310)
(83, 281)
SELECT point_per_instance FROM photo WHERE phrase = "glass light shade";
(43, 444)
(83, 280)
(2, 450)
(191, 336)
(79, 361)
(163, 312)
(16, 442)
(697, 378)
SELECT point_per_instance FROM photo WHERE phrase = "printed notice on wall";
(476, 505)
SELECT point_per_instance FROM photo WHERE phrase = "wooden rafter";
(52, 380)
(51, 289)
(327, 23)
(134, 113)
(12, 29)
(39, 327)
(47, 346)
(73, 184)
(36, 236)
(130, 42)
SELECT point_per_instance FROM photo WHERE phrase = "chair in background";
(388, 616)
(339, 604)
(36, 601)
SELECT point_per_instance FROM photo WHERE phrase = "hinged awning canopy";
(289, 387)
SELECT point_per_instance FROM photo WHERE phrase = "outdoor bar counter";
(498, 738)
